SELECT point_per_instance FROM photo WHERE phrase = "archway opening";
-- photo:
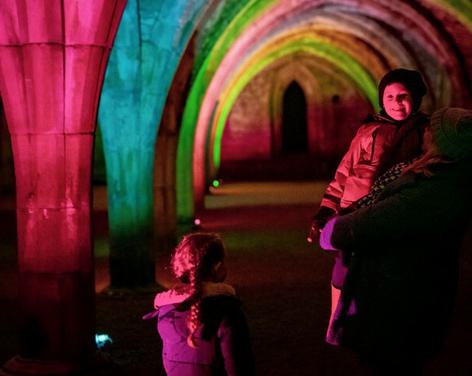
(294, 120)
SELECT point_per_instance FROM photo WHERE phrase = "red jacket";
(377, 145)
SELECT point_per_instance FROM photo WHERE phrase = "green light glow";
(222, 15)
(462, 9)
(312, 46)
(206, 70)
(252, 10)
(148, 46)
(184, 187)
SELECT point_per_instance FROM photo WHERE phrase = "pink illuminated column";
(52, 60)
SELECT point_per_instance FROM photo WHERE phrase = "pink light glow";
(257, 31)
(424, 32)
(52, 60)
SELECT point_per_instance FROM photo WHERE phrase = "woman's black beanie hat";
(411, 79)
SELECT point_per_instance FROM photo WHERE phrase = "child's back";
(200, 321)
(222, 341)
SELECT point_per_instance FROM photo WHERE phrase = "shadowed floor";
(283, 282)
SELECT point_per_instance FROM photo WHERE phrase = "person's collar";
(382, 117)
(182, 292)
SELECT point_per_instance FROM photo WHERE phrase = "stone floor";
(282, 281)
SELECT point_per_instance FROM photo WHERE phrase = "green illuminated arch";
(184, 191)
(317, 47)
(462, 9)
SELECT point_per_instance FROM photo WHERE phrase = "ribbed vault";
(364, 39)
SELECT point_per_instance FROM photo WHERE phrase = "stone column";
(148, 48)
(52, 61)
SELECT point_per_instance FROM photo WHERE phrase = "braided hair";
(192, 263)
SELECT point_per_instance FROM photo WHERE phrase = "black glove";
(318, 222)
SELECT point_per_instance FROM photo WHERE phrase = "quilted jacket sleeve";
(359, 153)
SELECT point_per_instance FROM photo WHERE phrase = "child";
(200, 321)
(392, 136)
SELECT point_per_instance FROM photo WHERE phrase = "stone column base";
(101, 365)
(21, 366)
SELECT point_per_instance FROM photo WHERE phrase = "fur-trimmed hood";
(182, 292)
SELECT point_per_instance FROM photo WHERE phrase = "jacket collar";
(383, 118)
(182, 292)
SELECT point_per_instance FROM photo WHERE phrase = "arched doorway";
(294, 120)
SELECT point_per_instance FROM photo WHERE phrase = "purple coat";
(223, 339)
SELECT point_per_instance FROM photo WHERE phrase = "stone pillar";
(52, 61)
(166, 229)
(148, 48)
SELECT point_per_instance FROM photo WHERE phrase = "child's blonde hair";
(192, 263)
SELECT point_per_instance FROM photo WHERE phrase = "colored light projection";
(149, 44)
(362, 39)
(275, 52)
(52, 61)
(50, 80)
(461, 9)
(204, 75)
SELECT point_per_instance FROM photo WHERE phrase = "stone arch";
(422, 42)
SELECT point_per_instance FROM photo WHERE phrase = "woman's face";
(397, 101)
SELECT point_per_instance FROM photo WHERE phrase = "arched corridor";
(192, 102)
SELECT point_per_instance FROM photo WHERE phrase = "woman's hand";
(326, 234)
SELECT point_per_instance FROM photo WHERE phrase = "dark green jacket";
(401, 284)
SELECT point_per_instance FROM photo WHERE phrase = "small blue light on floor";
(102, 339)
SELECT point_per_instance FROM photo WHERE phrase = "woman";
(399, 291)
